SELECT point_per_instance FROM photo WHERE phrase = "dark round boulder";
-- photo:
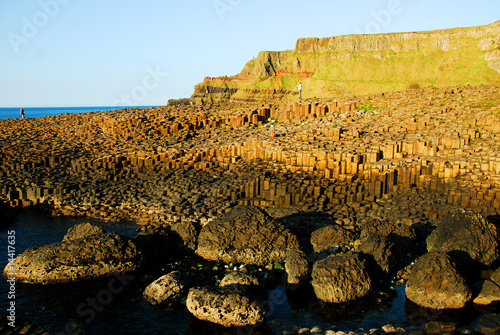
(88, 257)
(329, 237)
(168, 288)
(82, 230)
(436, 283)
(341, 278)
(466, 232)
(225, 306)
(245, 235)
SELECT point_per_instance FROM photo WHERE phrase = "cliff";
(364, 64)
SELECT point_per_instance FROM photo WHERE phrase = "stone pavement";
(414, 155)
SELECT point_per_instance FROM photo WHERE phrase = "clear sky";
(131, 52)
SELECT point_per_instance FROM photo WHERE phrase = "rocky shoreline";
(348, 196)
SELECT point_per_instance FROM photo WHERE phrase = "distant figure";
(273, 131)
(299, 86)
(22, 113)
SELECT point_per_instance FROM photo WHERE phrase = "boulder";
(488, 292)
(237, 278)
(329, 237)
(382, 251)
(495, 276)
(75, 259)
(296, 266)
(341, 278)
(436, 283)
(489, 324)
(82, 230)
(399, 233)
(245, 235)
(187, 233)
(386, 228)
(168, 288)
(467, 232)
(224, 306)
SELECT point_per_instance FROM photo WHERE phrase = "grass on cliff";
(361, 72)
(375, 72)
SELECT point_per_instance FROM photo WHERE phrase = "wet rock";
(91, 257)
(224, 306)
(436, 283)
(468, 232)
(439, 327)
(382, 251)
(168, 288)
(329, 237)
(296, 266)
(341, 278)
(245, 235)
(488, 324)
(81, 231)
(488, 292)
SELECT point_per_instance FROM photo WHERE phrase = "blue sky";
(130, 52)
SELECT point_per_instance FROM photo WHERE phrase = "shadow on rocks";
(303, 225)
(417, 315)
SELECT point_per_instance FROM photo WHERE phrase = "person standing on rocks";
(299, 86)
(273, 131)
(22, 113)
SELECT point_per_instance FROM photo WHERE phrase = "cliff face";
(364, 64)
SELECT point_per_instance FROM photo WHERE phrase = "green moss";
(278, 266)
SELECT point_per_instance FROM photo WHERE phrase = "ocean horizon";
(37, 112)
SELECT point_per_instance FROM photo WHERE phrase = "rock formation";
(467, 232)
(436, 283)
(383, 252)
(363, 64)
(411, 156)
(488, 292)
(168, 288)
(85, 254)
(224, 306)
(296, 267)
(245, 235)
(341, 278)
(82, 231)
(330, 237)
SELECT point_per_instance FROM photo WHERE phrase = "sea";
(71, 308)
(36, 112)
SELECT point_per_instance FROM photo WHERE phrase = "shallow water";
(115, 305)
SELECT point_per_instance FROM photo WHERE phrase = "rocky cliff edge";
(363, 64)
